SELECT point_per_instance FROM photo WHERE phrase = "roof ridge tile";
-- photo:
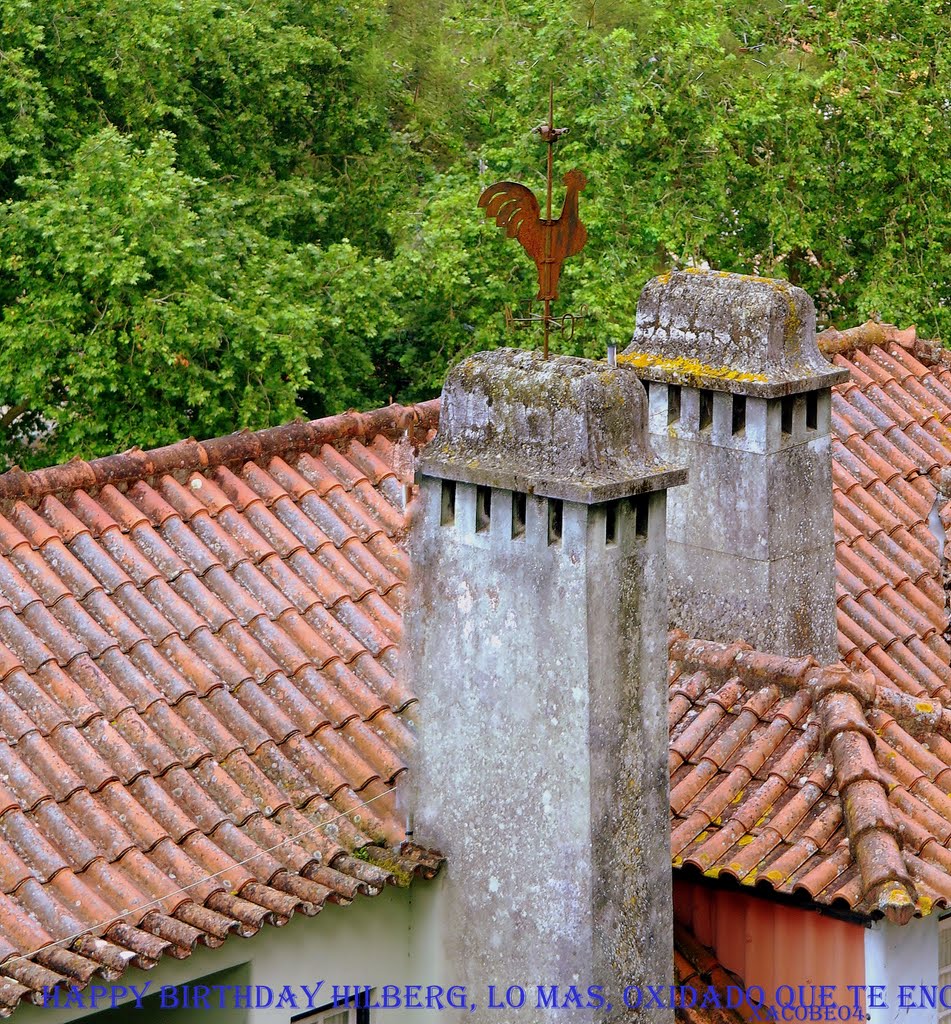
(189, 455)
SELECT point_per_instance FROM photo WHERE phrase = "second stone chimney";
(740, 393)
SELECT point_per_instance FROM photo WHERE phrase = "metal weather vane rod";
(548, 242)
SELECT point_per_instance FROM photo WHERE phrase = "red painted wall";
(769, 944)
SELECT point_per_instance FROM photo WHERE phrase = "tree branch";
(12, 413)
(864, 336)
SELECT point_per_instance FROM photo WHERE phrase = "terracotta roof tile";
(198, 653)
(799, 818)
(697, 967)
(822, 765)
(199, 648)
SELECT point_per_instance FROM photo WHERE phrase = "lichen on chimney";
(688, 369)
(563, 428)
(740, 392)
(728, 332)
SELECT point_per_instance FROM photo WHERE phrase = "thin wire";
(546, 326)
(191, 885)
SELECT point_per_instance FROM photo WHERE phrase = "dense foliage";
(218, 215)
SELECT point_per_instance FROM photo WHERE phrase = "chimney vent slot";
(641, 515)
(555, 515)
(447, 512)
(706, 409)
(739, 414)
(812, 410)
(519, 508)
(483, 508)
(673, 403)
(610, 523)
(786, 413)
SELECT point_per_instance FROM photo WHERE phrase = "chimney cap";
(559, 428)
(728, 332)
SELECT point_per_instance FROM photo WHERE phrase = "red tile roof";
(198, 651)
(792, 776)
(891, 446)
(697, 968)
(834, 783)
(200, 718)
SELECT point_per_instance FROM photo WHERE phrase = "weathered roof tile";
(220, 621)
(195, 663)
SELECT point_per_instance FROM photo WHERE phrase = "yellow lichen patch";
(712, 872)
(702, 836)
(745, 840)
(925, 904)
(687, 367)
(897, 897)
(925, 707)
(793, 323)
(727, 273)
(775, 876)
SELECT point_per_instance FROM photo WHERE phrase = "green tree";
(173, 238)
(156, 303)
(807, 141)
(218, 216)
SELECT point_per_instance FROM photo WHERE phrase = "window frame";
(356, 1014)
(944, 962)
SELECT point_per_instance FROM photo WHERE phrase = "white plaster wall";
(897, 955)
(374, 941)
(426, 950)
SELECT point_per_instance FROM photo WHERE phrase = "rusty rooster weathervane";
(548, 242)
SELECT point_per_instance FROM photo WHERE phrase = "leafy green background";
(218, 215)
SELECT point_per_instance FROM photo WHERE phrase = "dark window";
(786, 407)
(610, 523)
(519, 507)
(483, 508)
(673, 403)
(706, 409)
(555, 513)
(812, 410)
(353, 1011)
(641, 515)
(739, 414)
(447, 512)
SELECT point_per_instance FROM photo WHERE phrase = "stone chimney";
(536, 633)
(740, 393)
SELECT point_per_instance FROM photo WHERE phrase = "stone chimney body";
(536, 634)
(740, 393)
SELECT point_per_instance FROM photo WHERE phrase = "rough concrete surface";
(728, 332)
(564, 427)
(541, 769)
(750, 536)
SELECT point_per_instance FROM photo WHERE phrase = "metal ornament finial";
(548, 242)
